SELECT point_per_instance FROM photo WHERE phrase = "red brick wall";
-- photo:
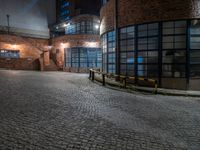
(28, 47)
(141, 11)
(20, 64)
(67, 41)
(107, 17)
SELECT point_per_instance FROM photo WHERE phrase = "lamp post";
(8, 22)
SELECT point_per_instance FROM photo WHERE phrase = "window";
(82, 27)
(109, 55)
(141, 48)
(9, 54)
(68, 61)
(127, 51)
(174, 49)
(111, 52)
(147, 50)
(195, 49)
(104, 2)
(83, 57)
(104, 48)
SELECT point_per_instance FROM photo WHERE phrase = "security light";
(97, 26)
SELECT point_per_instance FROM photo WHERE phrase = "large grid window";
(111, 52)
(104, 48)
(127, 51)
(174, 49)
(64, 13)
(147, 58)
(9, 54)
(195, 49)
(83, 57)
(157, 50)
(83, 27)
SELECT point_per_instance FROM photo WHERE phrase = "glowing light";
(91, 44)
(97, 26)
(64, 25)
(49, 47)
(14, 46)
(64, 45)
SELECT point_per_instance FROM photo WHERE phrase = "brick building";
(79, 49)
(25, 41)
(153, 39)
(24, 34)
(75, 37)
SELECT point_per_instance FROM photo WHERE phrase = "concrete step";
(51, 67)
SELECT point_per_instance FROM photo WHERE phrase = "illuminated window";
(9, 54)
(174, 49)
(83, 27)
(147, 50)
(83, 57)
(195, 49)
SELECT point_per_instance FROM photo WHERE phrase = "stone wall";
(132, 12)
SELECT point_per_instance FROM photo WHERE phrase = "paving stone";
(58, 111)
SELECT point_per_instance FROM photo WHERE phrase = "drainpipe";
(8, 22)
(117, 39)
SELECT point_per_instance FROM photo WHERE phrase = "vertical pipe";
(160, 55)
(188, 54)
(117, 50)
(136, 55)
(8, 22)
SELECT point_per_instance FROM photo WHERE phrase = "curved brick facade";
(132, 12)
(107, 17)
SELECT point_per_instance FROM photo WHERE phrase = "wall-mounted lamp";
(96, 26)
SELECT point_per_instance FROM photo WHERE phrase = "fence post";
(156, 87)
(103, 79)
(124, 82)
(90, 74)
(93, 75)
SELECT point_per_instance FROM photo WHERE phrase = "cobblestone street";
(57, 110)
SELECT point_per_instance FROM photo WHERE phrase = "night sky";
(92, 6)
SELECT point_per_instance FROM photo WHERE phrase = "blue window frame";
(80, 57)
(9, 53)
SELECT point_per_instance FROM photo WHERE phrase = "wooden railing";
(122, 78)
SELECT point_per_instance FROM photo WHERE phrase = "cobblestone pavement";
(57, 110)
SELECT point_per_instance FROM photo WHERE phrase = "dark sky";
(89, 6)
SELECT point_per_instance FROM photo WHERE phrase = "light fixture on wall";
(91, 44)
(14, 46)
(96, 26)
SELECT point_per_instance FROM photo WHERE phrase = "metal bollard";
(103, 79)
